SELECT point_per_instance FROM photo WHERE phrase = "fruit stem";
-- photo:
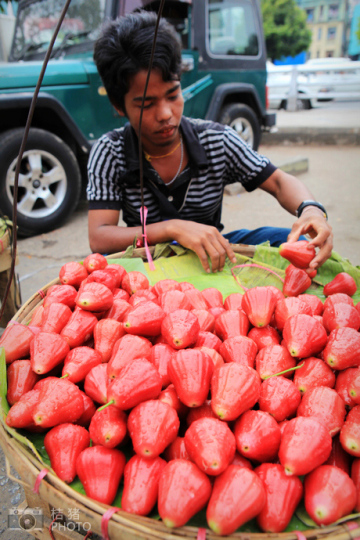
(282, 372)
(64, 376)
(111, 402)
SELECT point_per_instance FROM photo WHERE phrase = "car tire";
(49, 184)
(245, 122)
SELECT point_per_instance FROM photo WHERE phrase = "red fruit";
(238, 495)
(296, 281)
(313, 302)
(100, 470)
(143, 295)
(329, 494)
(95, 297)
(283, 494)
(79, 362)
(314, 372)
(118, 271)
(325, 404)
(274, 359)
(144, 319)
(233, 301)
(63, 444)
(207, 339)
(216, 358)
(196, 299)
(152, 425)
(259, 305)
(94, 261)
(210, 444)
(350, 432)
(169, 396)
(184, 490)
(241, 461)
(63, 294)
(342, 283)
(103, 276)
(279, 397)
(106, 334)
(240, 349)
(120, 294)
(204, 411)
(137, 382)
(300, 450)
(20, 379)
(125, 350)
(73, 273)
(36, 317)
(118, 310)
(80, 328)
(354, 386)
(54, 318)
(20, 414)
(47, 351)
(338, 456)
(89, 411)
(355, 476)
(343, 348)
(96, 383)
(134, 281)
(299, 253)
(173, 300)
(160, 355)
(176, 450)
(338, 298)
(231, 323)
(180, 328)
(190, 372)
(264, 336)
(16, 341)
(141, 484)
(165, 285)
(185, 286)
(206, 319)
(304, 336)
(108, 427)
(341, 315)
(213, 297)
(235, 388)
(343, 380)
(257, 436)
(288, 307)
(60, 401)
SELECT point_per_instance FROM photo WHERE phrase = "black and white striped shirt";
(217, 157)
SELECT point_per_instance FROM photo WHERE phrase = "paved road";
(332, 176)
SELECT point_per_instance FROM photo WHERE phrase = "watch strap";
(304, 204)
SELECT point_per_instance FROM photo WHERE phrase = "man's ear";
(120, 111)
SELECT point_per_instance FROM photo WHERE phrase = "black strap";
(166, 208)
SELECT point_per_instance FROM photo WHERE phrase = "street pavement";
(332, 175)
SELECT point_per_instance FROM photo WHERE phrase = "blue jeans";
(276, 236)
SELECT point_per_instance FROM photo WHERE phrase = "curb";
(312, 136)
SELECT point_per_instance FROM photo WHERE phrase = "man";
(187, 163)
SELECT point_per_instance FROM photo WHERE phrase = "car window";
(232, 28)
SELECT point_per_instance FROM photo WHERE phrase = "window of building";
(321, 13)
(329, 54)
(319, 34)
(310, 15)
(333, 11)
(331, 33)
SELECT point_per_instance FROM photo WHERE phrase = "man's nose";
(163, 111)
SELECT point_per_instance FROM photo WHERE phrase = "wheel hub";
(36, 184)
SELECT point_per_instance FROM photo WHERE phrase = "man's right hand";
(206, 241)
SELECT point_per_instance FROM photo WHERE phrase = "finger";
(203, 257)
(229, 251)
(323, 254)
(216, 253)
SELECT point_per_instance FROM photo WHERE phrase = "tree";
(286, 33)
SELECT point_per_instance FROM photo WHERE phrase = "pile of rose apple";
(243, 406)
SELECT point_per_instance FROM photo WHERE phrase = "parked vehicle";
(224, 80)
(317, 80)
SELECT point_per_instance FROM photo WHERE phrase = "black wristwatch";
(304, 204)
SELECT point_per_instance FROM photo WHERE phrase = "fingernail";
(208, 270)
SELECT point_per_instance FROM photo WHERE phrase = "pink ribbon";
(105, 521)
(41, 293)
(2, 246)
(39, 477)
(143, 215)
(201, 535)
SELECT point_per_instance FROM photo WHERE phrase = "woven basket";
(53, 493)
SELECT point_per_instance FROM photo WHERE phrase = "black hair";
(124, 48)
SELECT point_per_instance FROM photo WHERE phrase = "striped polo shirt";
(217, 157)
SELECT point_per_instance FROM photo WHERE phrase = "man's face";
(163, 108)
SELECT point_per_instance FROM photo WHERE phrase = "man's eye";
(174, 98)
(146, 106)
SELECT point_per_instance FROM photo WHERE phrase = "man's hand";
(205, 241)
(313, 223)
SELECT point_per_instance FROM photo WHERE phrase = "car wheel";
(245, 122)
(49, 183)
(301, 104)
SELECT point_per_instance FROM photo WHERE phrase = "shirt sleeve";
(104, 168)
(244, 164)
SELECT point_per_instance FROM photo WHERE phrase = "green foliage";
(286, 33)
